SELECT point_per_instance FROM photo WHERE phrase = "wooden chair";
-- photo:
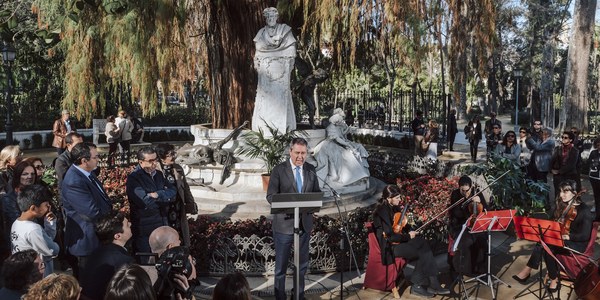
(574, 262)
(379, 276)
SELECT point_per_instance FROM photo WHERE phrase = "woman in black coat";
(577, 238)
(406, 245)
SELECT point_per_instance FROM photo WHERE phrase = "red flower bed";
(428, 196)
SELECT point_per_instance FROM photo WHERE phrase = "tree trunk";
(575, 105)
(545, 112)
(231, 79)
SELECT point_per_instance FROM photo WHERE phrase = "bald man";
(162, 239)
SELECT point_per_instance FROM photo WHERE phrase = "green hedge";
(176, 116)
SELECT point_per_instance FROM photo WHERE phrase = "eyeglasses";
(511, 135)
(565, 137)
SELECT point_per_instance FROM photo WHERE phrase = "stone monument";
(341, 162)
(274, 61)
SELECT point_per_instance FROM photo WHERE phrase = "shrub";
(36, 141)
(176, 116)
(49, 139)
(511, 189)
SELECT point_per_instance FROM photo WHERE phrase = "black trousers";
(418, 249)
(551, 264)
(473, 146)
(469, 257)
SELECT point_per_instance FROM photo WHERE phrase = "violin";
(475, 209)
(568, 215)
(400, 220)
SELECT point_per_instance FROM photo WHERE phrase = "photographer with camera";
(165, 244)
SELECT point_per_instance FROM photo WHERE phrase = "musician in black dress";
(469, 257)
(577, 238)
(406, 245)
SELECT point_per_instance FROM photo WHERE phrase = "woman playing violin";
(405, 244)
(574, 215)
(469, 258)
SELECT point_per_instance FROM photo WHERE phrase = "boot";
(420, 290)
(435, 287)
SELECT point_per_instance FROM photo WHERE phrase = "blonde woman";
(9, 157)
(54, 287)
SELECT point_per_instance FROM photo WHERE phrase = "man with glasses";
(84, 202)
(149, 195)
(469, 258)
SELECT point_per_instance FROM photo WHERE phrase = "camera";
(173, 261)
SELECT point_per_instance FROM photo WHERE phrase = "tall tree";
(576, 102)
(473, 29)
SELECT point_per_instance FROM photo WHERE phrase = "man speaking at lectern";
(292, 176)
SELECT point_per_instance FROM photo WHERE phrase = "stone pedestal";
(242, 194)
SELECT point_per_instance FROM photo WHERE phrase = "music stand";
(296, 203)
(498, 220)
(544, 232)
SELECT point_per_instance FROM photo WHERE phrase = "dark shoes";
(519, 280)
(438, 291)
(419, 290)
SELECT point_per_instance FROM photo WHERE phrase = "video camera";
(173, 261)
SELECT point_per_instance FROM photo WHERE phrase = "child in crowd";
(26, 233)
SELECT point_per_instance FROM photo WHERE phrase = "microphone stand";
(344, 232)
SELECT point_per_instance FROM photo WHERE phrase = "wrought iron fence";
(255, 255)
(376, 109)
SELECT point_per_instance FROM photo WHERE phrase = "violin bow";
(459, 202)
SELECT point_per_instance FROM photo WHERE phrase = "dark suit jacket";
(98, 271)
(282, 181)
(83, 204)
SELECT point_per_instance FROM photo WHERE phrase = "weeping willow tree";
(129, 50)
(119, 49)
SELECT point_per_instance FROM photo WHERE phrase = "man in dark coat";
(113, 231)
(149, 195)
(292, 176)
(84, 202)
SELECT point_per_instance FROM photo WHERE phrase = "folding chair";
(575, 262)
(379, 276)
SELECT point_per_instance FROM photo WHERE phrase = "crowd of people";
(100, 253)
